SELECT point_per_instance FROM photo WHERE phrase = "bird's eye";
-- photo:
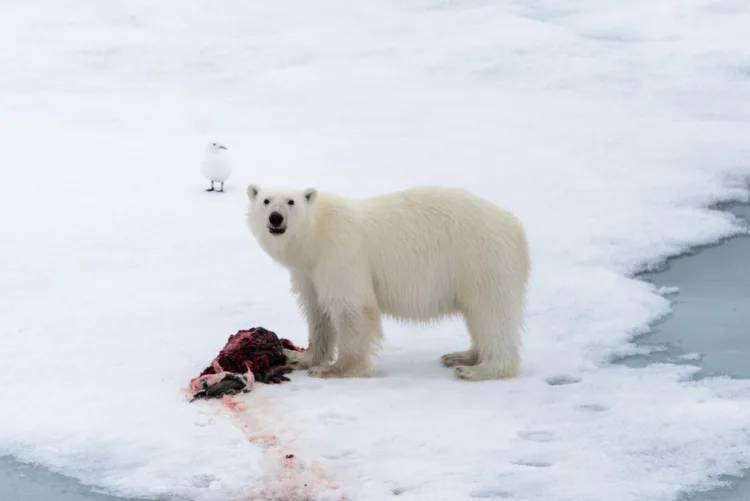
(291, 202)
(266, 201)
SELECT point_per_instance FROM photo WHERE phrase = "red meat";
(256, 354)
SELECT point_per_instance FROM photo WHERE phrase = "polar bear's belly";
(418, 292)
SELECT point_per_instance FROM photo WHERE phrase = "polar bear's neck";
(297, 253)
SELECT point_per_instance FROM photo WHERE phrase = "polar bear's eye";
(266, 201)
(291, 202)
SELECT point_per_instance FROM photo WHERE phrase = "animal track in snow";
(593, 407)
(537, 436)
(534, 463)
(562, 379)
(203, 481)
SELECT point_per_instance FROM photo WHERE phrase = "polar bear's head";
(277, 215)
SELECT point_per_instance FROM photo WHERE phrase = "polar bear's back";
(432, 249)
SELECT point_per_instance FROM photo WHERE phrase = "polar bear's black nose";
(275, 219)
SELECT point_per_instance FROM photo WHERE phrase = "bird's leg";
(222, 187)
(212, 187)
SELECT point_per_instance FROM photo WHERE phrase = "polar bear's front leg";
(320, 333)
(359, 333)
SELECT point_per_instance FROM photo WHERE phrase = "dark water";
(21, 482)
(711, 317)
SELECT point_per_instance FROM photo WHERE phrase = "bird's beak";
(222, 147)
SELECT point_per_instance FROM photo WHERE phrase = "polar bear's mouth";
(277, 231)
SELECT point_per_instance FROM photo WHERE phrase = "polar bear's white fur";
(417, 255)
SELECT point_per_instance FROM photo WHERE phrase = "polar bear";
(416, 255)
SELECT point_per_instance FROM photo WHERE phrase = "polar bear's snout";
(276, 223)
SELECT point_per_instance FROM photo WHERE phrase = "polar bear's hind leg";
(495, 331)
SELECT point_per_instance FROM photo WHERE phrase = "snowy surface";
(607, 127)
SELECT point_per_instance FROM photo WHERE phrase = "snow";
(608, 129)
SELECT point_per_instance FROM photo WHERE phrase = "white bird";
(215, 167)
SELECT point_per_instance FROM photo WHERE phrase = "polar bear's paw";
(467, 357)
(298, 361)
(484, 372)
(319, 371)
(464, 372)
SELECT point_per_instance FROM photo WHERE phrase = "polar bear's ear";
(310, 195)
(252, 191)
